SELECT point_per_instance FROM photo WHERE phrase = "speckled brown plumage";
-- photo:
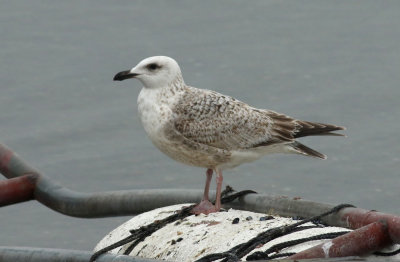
(220, 121)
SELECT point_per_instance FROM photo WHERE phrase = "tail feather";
(316, 129)
(329, 134)
(305, 150)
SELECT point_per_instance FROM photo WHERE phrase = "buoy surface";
(194, 237)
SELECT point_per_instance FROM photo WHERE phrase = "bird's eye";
(152, 66)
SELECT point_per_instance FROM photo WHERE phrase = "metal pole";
(77, 204)
(33, 254)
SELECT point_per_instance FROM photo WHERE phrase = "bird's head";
(153, 72)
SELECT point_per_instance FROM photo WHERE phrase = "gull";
(203, 128)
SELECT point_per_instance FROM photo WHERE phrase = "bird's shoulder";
(202, 103)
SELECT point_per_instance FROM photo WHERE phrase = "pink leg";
(219, 179)
(209, 174)
(205, 206)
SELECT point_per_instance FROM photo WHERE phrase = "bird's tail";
(299, 148)
(306, 128)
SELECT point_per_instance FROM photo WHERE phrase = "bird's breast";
(154, 113)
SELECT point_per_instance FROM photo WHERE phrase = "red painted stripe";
(17, 189)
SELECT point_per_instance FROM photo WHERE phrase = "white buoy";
(194, 237)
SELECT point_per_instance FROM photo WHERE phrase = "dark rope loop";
(243, 249)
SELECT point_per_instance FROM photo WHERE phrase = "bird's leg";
(205, 206)
(219, 179)
(209, 174)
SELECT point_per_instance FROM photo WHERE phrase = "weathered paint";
(356, 217)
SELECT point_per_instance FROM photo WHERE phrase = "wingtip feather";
(305, 150)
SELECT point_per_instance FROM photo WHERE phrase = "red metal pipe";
(5, 158)
(17, 189)
(359, 242)
(356, 217)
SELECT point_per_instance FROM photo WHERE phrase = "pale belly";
(179, 148)
(186, 155)
(157, 122)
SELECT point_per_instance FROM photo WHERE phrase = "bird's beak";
(125, 75)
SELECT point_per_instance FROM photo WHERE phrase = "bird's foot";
(204, 207)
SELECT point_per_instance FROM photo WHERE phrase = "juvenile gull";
(204, 128)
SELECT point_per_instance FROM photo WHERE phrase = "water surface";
(332, 61)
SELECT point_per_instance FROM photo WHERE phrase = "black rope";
(282, 255)
(141, 233)
(276, 248)
(138, 235)
(216, 256)
(387, 254)
(234, 196)
(243, 249)
(156, 225)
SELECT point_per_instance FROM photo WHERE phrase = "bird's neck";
(166, 94)
(177, 84)
(174, 88)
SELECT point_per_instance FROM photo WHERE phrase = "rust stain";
(207, 222)
(5, 161)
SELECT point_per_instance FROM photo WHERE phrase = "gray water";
(328, 61)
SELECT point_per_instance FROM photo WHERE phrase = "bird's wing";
(213, 119)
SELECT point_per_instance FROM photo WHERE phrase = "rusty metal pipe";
(88, 205)
(18, 189)
(356, 217)
(362, 241)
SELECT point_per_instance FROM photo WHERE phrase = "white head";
(153, 72)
